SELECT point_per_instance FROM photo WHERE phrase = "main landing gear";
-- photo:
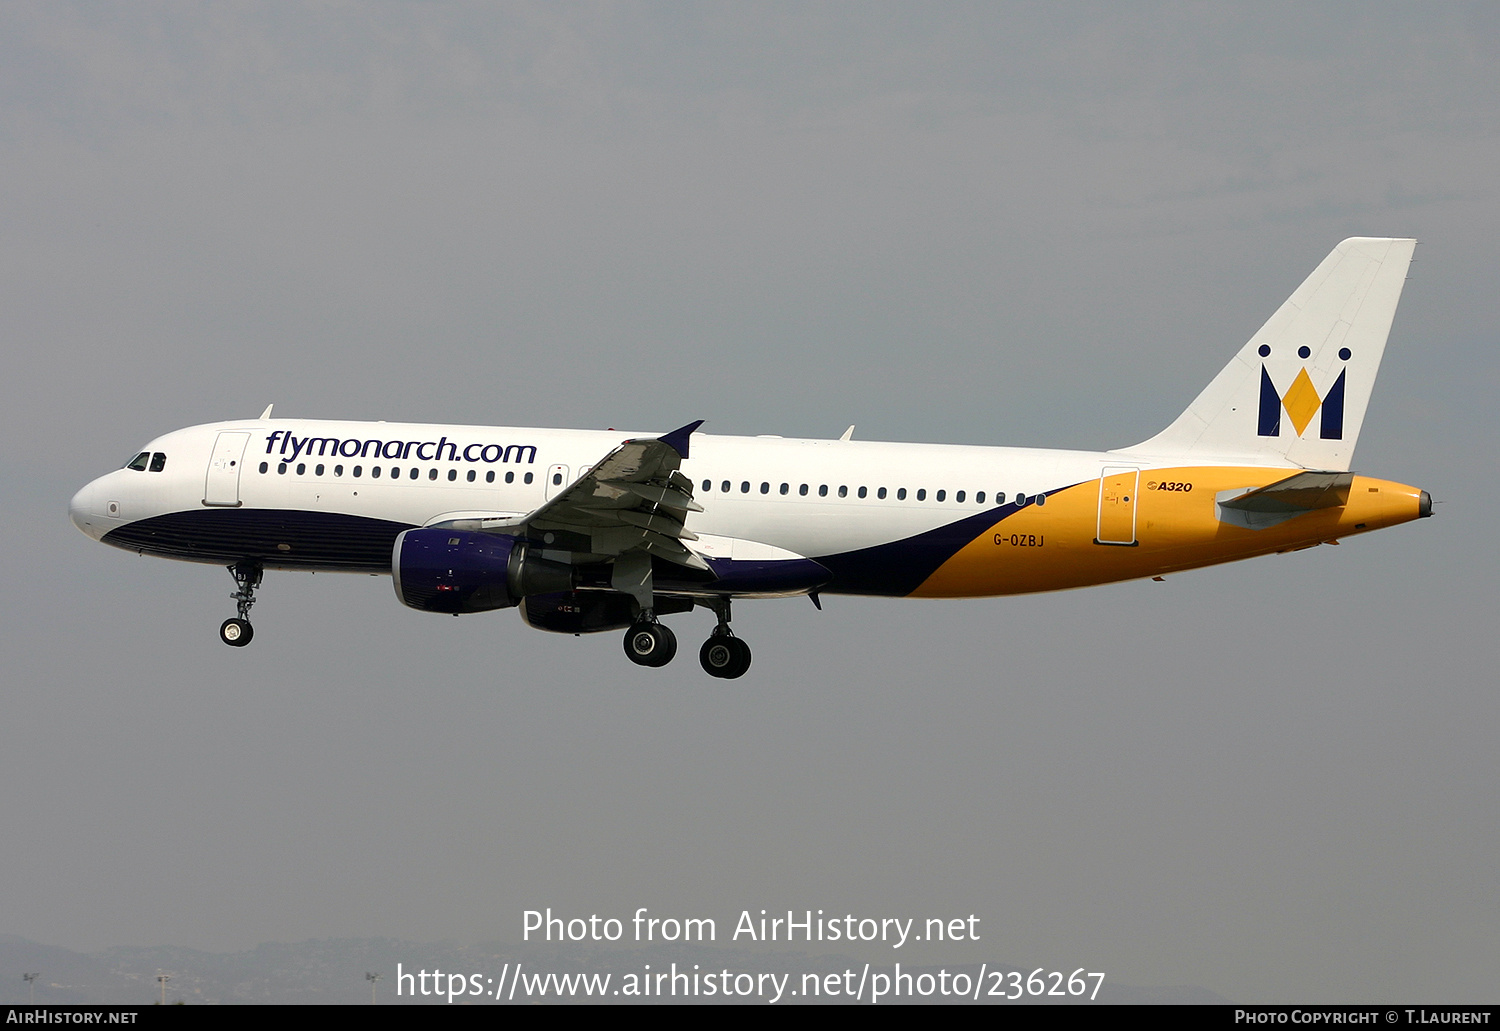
(238, 632)
(649, 643)
(723, 655)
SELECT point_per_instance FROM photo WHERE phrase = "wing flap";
(668, 497)
(664, 525)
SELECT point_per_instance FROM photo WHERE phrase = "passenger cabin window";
(138, 463)
(264, 467)
(528, 477)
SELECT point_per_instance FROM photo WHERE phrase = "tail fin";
(1296, 393)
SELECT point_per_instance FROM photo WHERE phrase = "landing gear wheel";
(650, 644)
(725, 657)
(236, 632)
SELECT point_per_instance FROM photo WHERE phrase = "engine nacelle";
(589, 612)
(453, 571)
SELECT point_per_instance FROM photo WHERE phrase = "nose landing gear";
(238, 632)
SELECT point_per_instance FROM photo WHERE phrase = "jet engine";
(453, 571)
(589, 612)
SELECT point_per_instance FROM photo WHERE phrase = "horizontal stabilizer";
(1264, 507)
(1301, 493)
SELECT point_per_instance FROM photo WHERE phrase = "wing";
(632, 507)
(635, 499)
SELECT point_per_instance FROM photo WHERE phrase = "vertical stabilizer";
(1296, 393)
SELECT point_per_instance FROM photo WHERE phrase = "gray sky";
(1014, 224)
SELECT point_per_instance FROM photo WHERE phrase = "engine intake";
(454, 571)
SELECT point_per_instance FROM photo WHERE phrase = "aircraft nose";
(86, 512)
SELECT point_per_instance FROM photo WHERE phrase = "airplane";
(586, 531)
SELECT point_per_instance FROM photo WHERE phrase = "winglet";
(267, 413)
(677, 440)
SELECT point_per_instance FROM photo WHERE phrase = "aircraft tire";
(236, 632)
(650, 644)
(724, 657)
(716, 655)
(741, 660)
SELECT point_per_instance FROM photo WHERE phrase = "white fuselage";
(912, 506)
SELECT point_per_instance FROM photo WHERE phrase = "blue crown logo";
(1302, 401)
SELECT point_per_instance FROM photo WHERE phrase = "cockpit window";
(158, 462)
(138, 463)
